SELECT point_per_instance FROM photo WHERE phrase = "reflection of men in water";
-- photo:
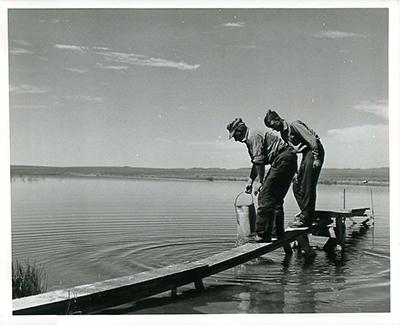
(305, 140)
(267, 149)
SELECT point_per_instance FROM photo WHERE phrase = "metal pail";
(245, 216)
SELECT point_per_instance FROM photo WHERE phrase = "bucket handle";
(252, 198)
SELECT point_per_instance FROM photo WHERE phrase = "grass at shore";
(27, 279)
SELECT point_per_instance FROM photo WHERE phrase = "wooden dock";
(90, 298)
(332, 224)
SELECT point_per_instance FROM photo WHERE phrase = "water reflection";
(355, 238)
(88, 230)
(302, 282)
(304, 288)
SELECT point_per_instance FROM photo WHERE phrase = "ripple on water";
(87, 230)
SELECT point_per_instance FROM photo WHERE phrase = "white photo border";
(310, 319)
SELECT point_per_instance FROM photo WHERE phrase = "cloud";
(335, 34)
(359, 133)
(127, 58)
(27, 106)
(379, 108)
(142, 60)
(163, 140)
(75, 70)
(19, 50)
(54, 21)
(87, 98)
(80, 49)
(20, 47)
(20, 42)
(363, 146)
(235, 24)
(243, 46)
(202, 143)
(27, 89)
(220, 144)
(100, 48)
(113, 67)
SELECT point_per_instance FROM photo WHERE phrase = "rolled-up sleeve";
(309, 138)
(256, 149)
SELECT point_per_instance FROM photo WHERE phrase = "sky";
(157, 87)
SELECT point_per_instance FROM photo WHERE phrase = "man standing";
(267, 149)
(304, 140)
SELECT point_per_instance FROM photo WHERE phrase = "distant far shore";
(329, 176)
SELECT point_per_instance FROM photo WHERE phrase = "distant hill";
(374, 176)
(379, 176)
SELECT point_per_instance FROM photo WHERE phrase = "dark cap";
(231, 127)
(271, 115)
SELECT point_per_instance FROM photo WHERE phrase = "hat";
(231, 127)
(271, 115)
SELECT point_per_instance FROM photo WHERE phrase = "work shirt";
(263, 147)
(297, 133)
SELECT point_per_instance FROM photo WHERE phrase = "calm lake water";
(85, 230)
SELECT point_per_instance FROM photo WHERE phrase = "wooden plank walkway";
(241, 254)
(94, 297)
(113, 292)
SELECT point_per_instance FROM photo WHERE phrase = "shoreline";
(203, 178)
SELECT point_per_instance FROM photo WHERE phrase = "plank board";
(296, 229)
(127, 288)
(322, 214)
(91, 297)
(95, 296)
(238, 255)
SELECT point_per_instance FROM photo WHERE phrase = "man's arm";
(260, 172)
(255, 146)
(309, 138)
(252, 177)
(257, 171)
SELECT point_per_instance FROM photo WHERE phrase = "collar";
(285, 126)
(246, 136)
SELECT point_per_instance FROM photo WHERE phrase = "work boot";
(300, 222)
(260, 239)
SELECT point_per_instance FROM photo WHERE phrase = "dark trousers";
(270, 199)
(305, 187)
